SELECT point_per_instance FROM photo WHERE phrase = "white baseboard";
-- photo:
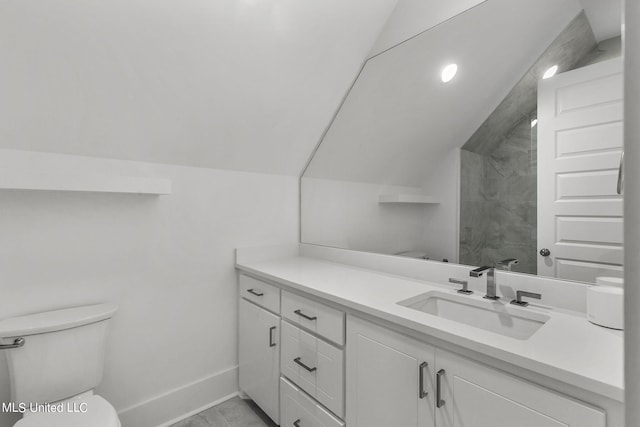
(198, 410)
(177, 404)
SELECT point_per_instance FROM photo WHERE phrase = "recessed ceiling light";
(449, 72)
(551, 71)
(534, 122)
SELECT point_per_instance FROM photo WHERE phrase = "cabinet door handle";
(271, 343)
(300, 313)
(297, 360)
(254, 292)
(439, 401)
(296, 423)
(421, 391)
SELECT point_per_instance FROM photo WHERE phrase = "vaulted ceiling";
(400, 120)
(233, 84)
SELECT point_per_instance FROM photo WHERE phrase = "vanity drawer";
(314, 365)
(261, 293)
(295, 405)
(324, 321)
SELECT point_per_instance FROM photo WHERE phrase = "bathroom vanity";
(331, 338)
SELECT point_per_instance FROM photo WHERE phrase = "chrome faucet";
(491, 280)
(506, 264)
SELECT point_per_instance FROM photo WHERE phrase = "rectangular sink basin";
(496, 317)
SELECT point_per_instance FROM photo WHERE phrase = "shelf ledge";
(408, 198)
(16, 180)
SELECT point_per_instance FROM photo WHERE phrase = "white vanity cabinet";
(389, 378)
(308, 364)
(476, 395)
(292, 368)
(259, 348)
(396, 380)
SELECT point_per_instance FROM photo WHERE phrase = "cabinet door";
(259, 360)
(384, 372)
(475, 395)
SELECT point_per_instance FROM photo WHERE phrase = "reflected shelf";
(420, 199)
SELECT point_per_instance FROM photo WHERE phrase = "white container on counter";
(605, 302)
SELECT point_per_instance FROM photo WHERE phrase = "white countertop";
(567, 348)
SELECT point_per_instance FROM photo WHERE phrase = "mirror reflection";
(495, 135)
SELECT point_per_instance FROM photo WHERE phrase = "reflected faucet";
(491, 280)
(506, 264)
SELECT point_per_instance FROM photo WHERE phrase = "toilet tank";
(63, 352)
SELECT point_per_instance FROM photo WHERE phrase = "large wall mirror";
(450, 145)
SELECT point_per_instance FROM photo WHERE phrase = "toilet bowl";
(58, 356)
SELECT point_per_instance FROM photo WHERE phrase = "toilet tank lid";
(56, 320)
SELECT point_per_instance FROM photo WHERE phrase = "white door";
(259, 357)
(384, 372)
(579, 147)
(474, 395)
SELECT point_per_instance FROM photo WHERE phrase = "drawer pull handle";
(296, 423)
(439, 401)
(271, 343)
(300, 313)
(297, 360)
(254, 292)
(421, 391)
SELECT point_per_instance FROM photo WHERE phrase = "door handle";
(439, 401)
(300, 313)
(621, 175)
(299, 362)
(545, 252)
(421, 393)
(271, 343)
(254, 292)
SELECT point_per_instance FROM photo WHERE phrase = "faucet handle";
(465, 286)
(520, 294)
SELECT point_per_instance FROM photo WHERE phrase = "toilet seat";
(99, 413)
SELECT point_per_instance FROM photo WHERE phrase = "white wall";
(347, 215)
(167, 261)
(442, 226)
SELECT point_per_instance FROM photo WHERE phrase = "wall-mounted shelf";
(408, 198)
(17, 180)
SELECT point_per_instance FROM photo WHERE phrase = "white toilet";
(55, 360)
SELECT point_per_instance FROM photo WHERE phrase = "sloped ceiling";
(412, 17)
(400, 120)
(605, 17)
(233, 84)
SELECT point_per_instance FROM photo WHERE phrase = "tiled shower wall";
(498, 202)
